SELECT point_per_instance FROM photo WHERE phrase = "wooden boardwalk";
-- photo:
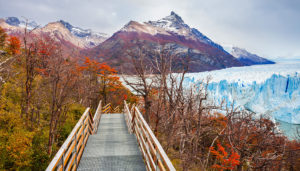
(111, 142)
(112, 148)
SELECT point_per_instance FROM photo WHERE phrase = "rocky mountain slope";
(170, 32)
(61, 31)
(248, 58)
(90, 37)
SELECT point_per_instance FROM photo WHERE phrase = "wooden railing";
(97, 117)
(69, 155)
(106, 108)
(109, 109)
(154, 155)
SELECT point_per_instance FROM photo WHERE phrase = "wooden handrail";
(116, 109)
(106, 108)
(109, 109)
(154, 155)
(97, 117)
(69, 154)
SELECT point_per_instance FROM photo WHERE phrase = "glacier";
(271, 90)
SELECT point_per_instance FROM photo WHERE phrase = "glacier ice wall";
(277, 97)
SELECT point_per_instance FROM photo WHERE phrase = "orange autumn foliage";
(106, 74)
(219, 120)
(225, 160)
(14, 45)
(106, 80)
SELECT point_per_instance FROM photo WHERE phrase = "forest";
(44, 91)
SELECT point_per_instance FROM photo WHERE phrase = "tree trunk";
(51, 137)
(147, 108)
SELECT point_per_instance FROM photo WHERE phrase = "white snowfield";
(272, 90)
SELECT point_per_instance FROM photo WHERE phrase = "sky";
(269, 28)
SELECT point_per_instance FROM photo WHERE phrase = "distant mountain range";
(169, 32)
(248, 58)
(60, 30)
(14, 21)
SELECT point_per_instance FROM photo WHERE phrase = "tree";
(291, 158)
(256, 140)
(225, 160)
(3, 37)
(141, 82)
(61, 79)
(40, 103)
(14, 45)
(90, 70)
(15, 142)
(102, 80)
(109, 82)
(29, 61)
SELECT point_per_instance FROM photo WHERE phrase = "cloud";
(267, 27)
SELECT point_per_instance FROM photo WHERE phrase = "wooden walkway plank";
(112, 148)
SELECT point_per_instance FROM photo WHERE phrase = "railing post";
(62, 162)
(90, 123)
(97, 117)
(82, 133)
(133, 121)
(132, 107)
(157, 158)
(75, 162)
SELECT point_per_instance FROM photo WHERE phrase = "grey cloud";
(267, 27)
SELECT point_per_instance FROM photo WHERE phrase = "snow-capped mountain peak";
(14, 21)
(237, 52)
(175, 24)
(173, 19)
(79, 32)
(60, 30)
(170, 33)
(66, 24)
(133, 26)
(172, 23)
(91, 38)
(175, 16)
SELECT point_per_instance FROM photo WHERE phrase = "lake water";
(289, 130)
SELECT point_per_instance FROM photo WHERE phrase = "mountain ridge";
(171, 32)
(248, 58)
(82, 38)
